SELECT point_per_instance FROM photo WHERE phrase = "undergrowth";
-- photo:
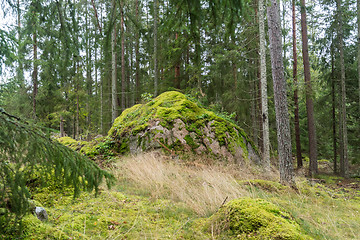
(157, 197)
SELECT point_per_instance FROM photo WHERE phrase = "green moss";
(69, 142)
(35, 229)
(88, 148)
(330, 179)
(108, 216)
(191, 142)
(248, 218)
(220, 131)
(124, 147)
(139, 128)
(168, 107)
(266, 185)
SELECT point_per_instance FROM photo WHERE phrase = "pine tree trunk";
(77, 79)
(35, 73)
(279, 83)
(137, 71)
(96, 16)
(296, 99)
(313, 167)
(123, 80)
(358, 53)
(62, 132)
(263, 87)
(20, 71)
(88, 78)
(254, 126)
(114, 105)
(344, 161)
(177, 67)
(333, 108)
(155, 50)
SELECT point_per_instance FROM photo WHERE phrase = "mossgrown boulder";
(247, 218)
(176, 123)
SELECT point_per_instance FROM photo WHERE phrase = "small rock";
(41, 213)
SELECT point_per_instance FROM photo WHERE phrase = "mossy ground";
(261, 209)
(111, 215)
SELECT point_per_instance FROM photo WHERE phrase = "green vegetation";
(26, 151)
(90, 149)
(247, 218)
(174, 110)
(158, 198)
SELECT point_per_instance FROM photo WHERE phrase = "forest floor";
(158, 197)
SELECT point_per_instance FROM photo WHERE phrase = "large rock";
(174, 122)
(247, 218)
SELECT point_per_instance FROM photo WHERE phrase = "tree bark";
(114, 104)
(96, 16)
(20, 71)
(77, 123)
(358, 53)
(279, 83)
(88, 78)
(35, 72)
(333, 107)
(155, 50)
(263, 87)
(123, 80)
(313, 167)
(344, 161)
(62, 132)
(137, 71)
(296, 98)
(177, 67)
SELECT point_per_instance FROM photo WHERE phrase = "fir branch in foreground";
(24, 150)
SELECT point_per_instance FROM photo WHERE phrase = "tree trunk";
(253, 94)
(263, 87)
(77, 78)
(20, 71)
(96, 16)
(313, 167)
(155, 50)
(344, 161)
(137, 71)
(114, 105)
(35, 73)
(88, 78)
(281, 108)
(177, 67)
(296, 99)
(358, 53)
(62, 132)
(123, 80)
(333, 107)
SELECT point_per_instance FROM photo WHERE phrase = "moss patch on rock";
(248, 218)
(173, 119)
(89, 149)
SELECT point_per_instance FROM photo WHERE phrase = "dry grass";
(202, 188)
